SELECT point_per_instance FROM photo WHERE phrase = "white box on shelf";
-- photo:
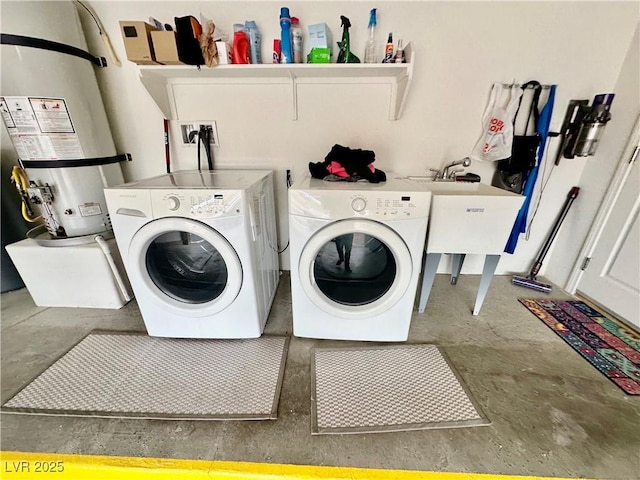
(224, 53)
(319, 36)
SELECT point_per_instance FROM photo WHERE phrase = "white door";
(355, 268)
(611, 277)
(184, 266)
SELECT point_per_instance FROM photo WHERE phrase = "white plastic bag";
(497, 124)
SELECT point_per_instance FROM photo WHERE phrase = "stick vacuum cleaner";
(530, 280)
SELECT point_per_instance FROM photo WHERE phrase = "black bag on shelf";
(188, 29)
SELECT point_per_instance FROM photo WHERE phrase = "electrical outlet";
(211, 124)
(189, 132)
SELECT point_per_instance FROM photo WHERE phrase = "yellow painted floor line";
(23, 465)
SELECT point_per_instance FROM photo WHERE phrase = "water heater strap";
(80, 162)
(22, 41)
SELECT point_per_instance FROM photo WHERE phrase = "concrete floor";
(552, 413)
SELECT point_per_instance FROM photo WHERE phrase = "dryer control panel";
(198, 204)
(344, 204)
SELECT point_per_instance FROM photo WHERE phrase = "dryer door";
(185, 266)
(355, 268)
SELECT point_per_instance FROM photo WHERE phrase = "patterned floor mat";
(134, 375)
(388, 388)
(612, 348)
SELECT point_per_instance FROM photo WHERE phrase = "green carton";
(319, 55)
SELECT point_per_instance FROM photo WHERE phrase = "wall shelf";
(160, 79)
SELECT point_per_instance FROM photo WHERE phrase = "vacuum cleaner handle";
(571, 196)
(573, 193)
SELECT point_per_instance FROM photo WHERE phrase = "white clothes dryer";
(356, 256)
(200, 251)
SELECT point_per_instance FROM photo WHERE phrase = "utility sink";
(466, 218)
(469, 217)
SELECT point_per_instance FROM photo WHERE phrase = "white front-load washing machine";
(200, 250)
(356, 256)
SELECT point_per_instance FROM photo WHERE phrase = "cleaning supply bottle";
(296, 39)
(388, 50)
(254, 41)
(286, 52)
(370, 49)
(345, 55)
(399, 56)
(276, 50)
(240, 53)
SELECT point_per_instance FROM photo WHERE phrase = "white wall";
(599, 168)
(461, 48)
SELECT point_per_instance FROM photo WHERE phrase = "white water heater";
(54, 114)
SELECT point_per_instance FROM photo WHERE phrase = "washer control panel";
(199, 204)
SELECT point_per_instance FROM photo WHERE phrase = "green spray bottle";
(345, 55)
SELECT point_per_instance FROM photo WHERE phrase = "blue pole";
(542, 128)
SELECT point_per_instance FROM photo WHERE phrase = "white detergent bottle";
(296, 40)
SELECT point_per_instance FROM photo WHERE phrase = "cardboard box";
(137, 42)
(165, 47)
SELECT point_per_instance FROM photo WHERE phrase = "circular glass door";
(355, 268)
(186, 265)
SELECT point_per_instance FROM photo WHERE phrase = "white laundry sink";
(466, 218)
(469, 218)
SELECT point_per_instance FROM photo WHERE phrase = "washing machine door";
(355, 268)
(186, 266)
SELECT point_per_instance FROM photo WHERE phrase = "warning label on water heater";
(52, 115)
(40, 128)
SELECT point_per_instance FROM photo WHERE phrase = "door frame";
(630, 155)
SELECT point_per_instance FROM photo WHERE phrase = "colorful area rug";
(612, 348)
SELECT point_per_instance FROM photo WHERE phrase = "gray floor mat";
(134, 375)
(388, 388)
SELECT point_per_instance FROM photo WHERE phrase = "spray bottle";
(286, 52)
(370, 49)
(345, 54)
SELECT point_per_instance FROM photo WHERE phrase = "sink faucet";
(448, 174)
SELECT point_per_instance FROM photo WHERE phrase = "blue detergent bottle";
(254, 41)
(286, 52)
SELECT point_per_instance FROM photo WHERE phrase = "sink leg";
(490, 264)
(428, 276)
(456, 267)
